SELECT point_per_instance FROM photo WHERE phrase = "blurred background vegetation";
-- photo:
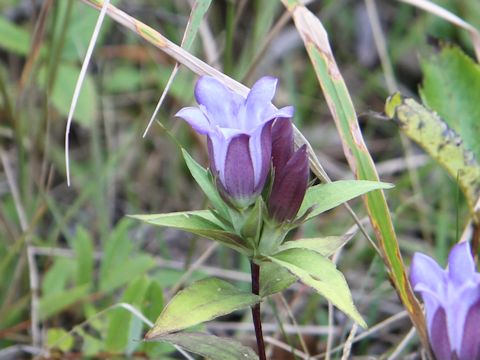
(85, 256)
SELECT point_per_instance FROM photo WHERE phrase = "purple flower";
(291, 172)
(452, 303)
(238, 133)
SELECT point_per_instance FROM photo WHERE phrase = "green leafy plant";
(254, 221)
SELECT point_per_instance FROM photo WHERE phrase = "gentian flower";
(291, 170)
(452, 303)
(238, 133)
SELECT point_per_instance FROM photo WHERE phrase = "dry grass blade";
(199, 9)
(450, 17)
(338, 99)
(78, 85)
(176, 52)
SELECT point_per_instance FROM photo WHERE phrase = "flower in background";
(291, 170)
(452, 303)
(238, 132)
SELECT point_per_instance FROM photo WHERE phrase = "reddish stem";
(257, 322)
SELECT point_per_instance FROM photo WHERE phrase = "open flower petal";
(470, 342)
(425, 271)
(239, 173)
(258, 105)
(260, 147)
(220, 104)
(196, 118)
(460, 263)
(439, 335)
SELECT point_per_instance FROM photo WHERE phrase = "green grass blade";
(338, 99)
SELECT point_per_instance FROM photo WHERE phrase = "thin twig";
(33, 275)
(286, 347)
(403, 344)
(348, 344)
(295, 324)
(202, 258)
(381, 325)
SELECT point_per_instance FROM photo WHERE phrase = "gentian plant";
(452, 303)
(258, 186)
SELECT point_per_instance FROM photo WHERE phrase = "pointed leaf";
(210, 346)
(325, 246)
(200, 222)
(203, 180)
(441, 142)
(202, 301)
(274, 278)
(321, 274)
(327, 196)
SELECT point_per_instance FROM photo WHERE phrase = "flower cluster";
(452, 303)
(245, 137)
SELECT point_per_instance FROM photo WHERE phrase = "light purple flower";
(452, 303)
(291, 170)
(238, 132)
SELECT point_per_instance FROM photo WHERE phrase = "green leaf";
(441, 142)
(58, 276)
(57, 338)
(325, 246)
(324, 197)
(199, 9)
(210, 346)
(14, 38)
(153, 301)
(451, 87)
(117, 249)
(54, 303)
(124, 78)
(203, 180)
(122, 273)
(274, 278)
(83, 245)
(321, 274)
(200, 222)
(202, 301)
(121, 321)
(62, 93)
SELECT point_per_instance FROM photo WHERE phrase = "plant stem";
(257, 322)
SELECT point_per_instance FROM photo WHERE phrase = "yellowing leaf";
(202, 301)
(440, 141)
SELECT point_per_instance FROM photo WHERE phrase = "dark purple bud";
(282, 142)
(289, 186)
